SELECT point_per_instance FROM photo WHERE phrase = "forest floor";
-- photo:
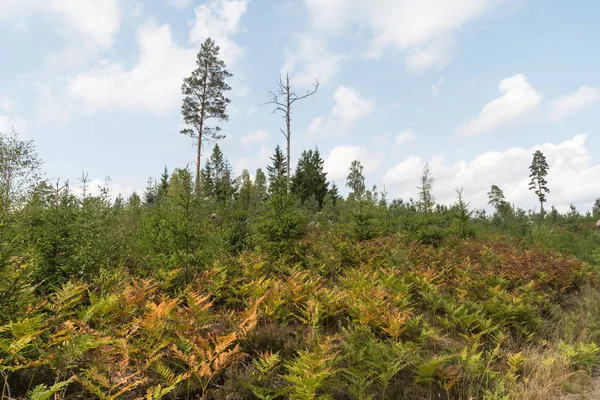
(592, 393)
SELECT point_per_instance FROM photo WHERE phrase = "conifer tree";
(216, 176)
(496, 197)
(539, 171)
(204, 98)
(277, 173)
(334, 193)
(310, 181)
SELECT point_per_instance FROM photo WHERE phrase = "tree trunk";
(198, 162)
(288, 121)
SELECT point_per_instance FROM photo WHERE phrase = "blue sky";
(471, 86)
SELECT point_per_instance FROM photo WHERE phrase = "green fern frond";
(43, 392)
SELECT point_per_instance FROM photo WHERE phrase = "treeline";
(177, 225)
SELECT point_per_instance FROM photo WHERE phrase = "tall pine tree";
(204, 98)
(539, 171)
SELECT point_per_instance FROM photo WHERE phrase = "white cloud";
(95, 20)
(570, 178)
(258, 136)
(436, 55)
(252, 163)
(310, 59)
(123, 186)
(518, 99)
(153, 84)
(404, 137)
(423, 30)
(571, 103)
(406, 171)
(337, 163)
(7, 124)
(220, 20)
(349, 108)
(6, 104)
(435, 88)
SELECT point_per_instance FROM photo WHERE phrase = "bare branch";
(308, 92)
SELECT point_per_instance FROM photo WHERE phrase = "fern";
(308, 372)
(43, 392)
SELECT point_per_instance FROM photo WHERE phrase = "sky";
(472, 87)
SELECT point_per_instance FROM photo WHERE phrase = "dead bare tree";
(283, 99)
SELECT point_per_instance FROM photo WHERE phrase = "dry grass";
(546, 372)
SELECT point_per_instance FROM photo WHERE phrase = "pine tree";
(356, 180)
(496, 198)
(277, 173)
(310, 181)
(204, 98)
(539, 171)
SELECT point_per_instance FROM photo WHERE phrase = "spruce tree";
(310, 181)
(216, 176)
(334, 193)
(204, 98)
(539, 171)
(277, 173)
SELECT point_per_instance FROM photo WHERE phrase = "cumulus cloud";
(404, 137)
(422, 30)
(258, 136)
(337, 163)
(252, 163)
(350, 106)
(154, 83)
(123, 186)
(518, 98)
(220, 20)
(96, 20)
(570, 176)
(7, 124)
(310, 59)
(572, 103)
